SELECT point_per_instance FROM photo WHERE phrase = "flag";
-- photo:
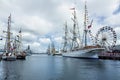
(90, 24)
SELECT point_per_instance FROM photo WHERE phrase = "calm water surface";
(43, 67)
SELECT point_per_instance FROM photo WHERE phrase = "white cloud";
(114, 20)
(28, 37)
(43, 17)
(36, 24)
(36, 47)
(45, 40)
(58, 39)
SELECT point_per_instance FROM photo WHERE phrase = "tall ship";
(76, 46)
(51, 49)
(20, 54)
(8, 48)
(13, 47)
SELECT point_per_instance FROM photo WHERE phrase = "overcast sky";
(42, 21)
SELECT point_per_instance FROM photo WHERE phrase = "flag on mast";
(90, 24)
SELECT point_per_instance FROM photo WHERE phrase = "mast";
(74, 40)
(85, 24)
(65, 38)
(19, 41)
(8, 34)
(53, 48)
(14, 46)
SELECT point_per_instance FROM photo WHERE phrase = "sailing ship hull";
(4, 57)
(84, 53)
(9, 58)
(0, 57)
(21, 57)
(58, 54)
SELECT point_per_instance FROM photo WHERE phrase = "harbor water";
(44, 67)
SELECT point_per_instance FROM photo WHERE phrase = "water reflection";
(59, 68)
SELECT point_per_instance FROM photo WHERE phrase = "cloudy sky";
(42, 21)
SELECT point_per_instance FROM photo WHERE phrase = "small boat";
(58, 53)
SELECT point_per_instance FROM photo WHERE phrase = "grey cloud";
(47, 10)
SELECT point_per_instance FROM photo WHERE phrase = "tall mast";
(85, 24)
(65, 37)
(74, 40)
(20, 41)
(53, 48)
(8, 34)
(14, 46)
(74, 25)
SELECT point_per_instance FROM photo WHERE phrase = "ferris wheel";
(106, 37)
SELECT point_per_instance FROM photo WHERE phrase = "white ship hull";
(84, 53)
(9, 57)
